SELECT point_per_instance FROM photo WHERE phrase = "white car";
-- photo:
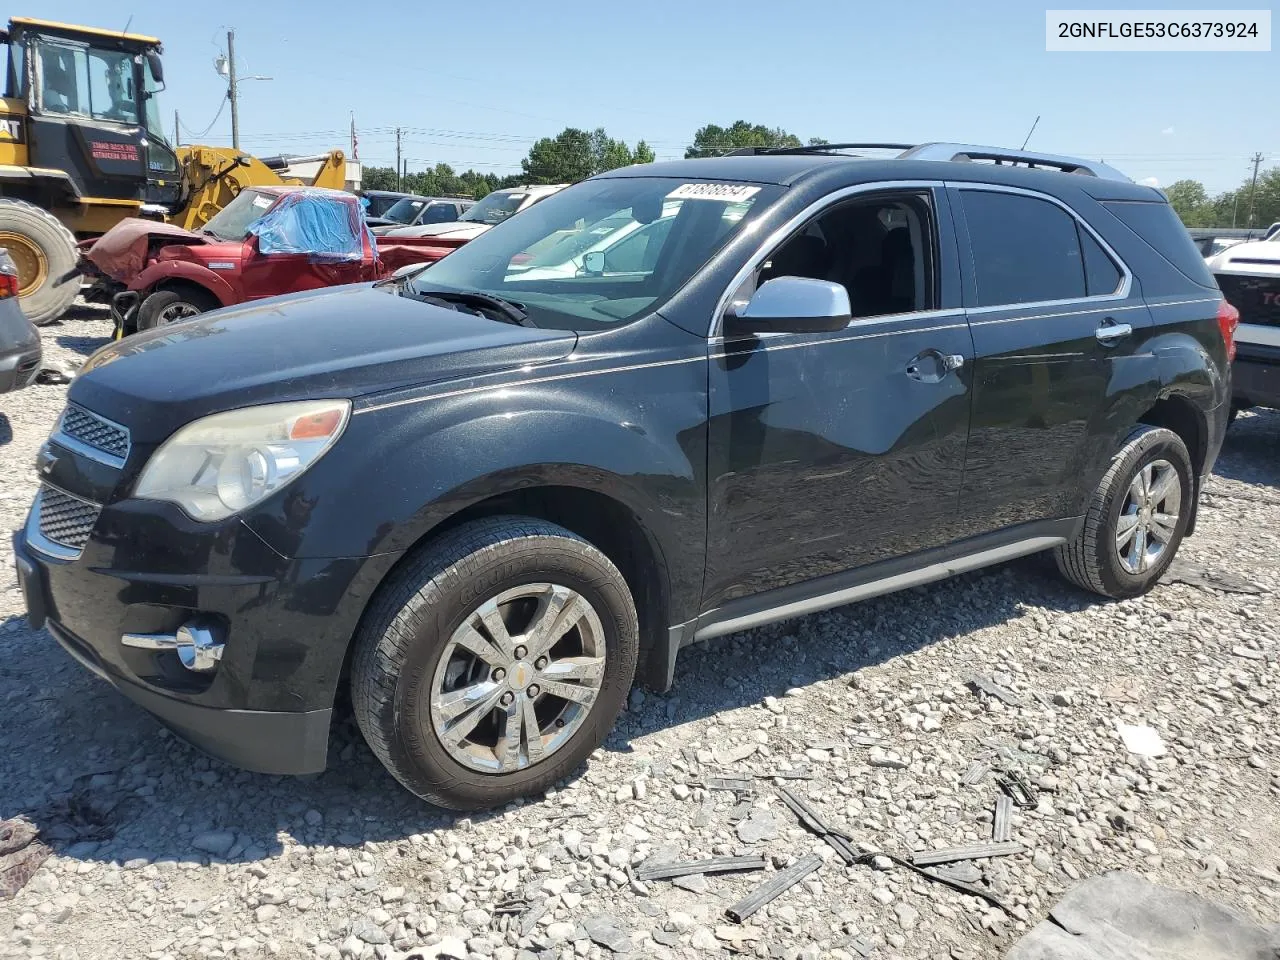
(493, 209)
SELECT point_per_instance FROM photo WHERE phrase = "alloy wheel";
(180, 310)
(518, 678)
(1149, 517)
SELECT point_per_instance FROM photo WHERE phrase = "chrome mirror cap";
(792, 305)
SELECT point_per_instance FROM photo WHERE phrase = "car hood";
(460, 229)
(1257, 256)
(123, 251)
(341, 342)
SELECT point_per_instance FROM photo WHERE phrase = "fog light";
(198, 649)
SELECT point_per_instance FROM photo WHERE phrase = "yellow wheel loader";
(82, 147)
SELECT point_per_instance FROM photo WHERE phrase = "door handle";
(1110, 331)
(930, 366)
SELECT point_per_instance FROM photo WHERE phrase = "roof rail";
(814, 148)
(964, 152)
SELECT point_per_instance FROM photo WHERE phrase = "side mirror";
(593, 263)
(156, 65)
(793, 305)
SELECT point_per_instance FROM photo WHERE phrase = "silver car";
(19, 340)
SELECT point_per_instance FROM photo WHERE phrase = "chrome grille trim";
(60, 524)
(93, 436)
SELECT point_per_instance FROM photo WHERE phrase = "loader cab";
(92, 109)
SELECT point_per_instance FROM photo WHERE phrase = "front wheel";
(494, 662)
(169, 306)
(1136, 518)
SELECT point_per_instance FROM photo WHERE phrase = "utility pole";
(177, 135)
(1253, 187)
(397, 158)
(231, 89)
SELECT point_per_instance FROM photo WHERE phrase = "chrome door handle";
(1110, 331)
(932, 365)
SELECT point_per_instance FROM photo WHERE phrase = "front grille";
(95, 431)
(1257, 298)
(64, 519)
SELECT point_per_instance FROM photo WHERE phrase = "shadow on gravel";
(105, 781)
(6, 430)
(1251, 451)
(82, 345)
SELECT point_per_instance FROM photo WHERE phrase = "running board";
(874, 588)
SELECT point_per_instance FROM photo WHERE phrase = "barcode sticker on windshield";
(731, 192)
(261, 201)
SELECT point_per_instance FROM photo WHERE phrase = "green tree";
(565, 158)
(713, 140)
(1190, 201)
(378, 178)
(1264, 200)
(573, 155)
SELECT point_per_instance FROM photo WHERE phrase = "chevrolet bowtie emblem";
(45, 461)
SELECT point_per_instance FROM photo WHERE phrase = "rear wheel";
(44, 252)
(169, 306)
(1136, 518)
(494, 662)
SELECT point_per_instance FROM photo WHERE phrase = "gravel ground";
(163, 853)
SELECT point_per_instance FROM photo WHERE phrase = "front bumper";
(287, 625)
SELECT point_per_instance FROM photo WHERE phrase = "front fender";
(399, 472)
(159, 271)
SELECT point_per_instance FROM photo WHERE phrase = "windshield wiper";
(507, 311)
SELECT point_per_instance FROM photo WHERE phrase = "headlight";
(222, 464)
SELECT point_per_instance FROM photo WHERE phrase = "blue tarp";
(325, 226)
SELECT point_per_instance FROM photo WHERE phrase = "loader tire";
(44, 252)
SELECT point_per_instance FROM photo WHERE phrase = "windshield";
(405, 210)
(494, 208)
(232, 222)
(603, 251)
(77, 79)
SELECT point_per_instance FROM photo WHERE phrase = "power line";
(221, 107)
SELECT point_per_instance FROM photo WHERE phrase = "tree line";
(1249, 205)
(574, 155)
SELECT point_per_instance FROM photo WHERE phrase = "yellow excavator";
(82, 147)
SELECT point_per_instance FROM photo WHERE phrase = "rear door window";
(1025, 250)
(1101, 275)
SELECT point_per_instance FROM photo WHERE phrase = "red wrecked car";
(267, 241)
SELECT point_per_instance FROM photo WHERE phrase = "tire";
(1093, 559)
(402, 658)
(167, 306)
(45, 252)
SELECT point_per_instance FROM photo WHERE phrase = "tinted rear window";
(1025, 250)
(1101, 274)
(1157, 224)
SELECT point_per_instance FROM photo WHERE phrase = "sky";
(474, 84)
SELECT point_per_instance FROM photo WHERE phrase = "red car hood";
(123, 251)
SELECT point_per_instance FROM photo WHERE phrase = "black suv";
(491, 494)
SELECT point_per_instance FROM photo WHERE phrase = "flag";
(355, 141)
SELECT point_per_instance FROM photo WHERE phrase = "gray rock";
(369, 932)
(215, 842)
(757, 827)
(694, 883)
(608, 932)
